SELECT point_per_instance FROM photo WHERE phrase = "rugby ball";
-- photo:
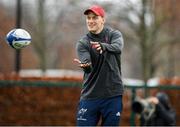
(18, 38)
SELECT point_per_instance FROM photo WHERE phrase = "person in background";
(164, 114)
(99, 53)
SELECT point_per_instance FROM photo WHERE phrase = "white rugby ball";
(18, 38)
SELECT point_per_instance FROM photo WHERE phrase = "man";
(99, 54)
(164, 114)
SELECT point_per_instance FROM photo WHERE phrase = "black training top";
(103, 78)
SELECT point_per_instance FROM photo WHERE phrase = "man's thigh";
(111, 111)
(88, 113)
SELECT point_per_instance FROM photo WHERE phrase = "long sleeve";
(117, 43)
(83, 54)
(167, 115)
(104, 74)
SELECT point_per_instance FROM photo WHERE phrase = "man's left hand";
(97, 46)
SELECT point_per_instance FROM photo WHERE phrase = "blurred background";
(150, 57)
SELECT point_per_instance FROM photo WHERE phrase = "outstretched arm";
(84, 60)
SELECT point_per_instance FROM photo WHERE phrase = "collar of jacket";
(100, 35)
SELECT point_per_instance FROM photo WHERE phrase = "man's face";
(94, 22)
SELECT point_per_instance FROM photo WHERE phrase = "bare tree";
(145, 24)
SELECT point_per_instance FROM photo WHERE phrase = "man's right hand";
(80, 64)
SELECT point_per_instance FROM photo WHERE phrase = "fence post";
(132, 117)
